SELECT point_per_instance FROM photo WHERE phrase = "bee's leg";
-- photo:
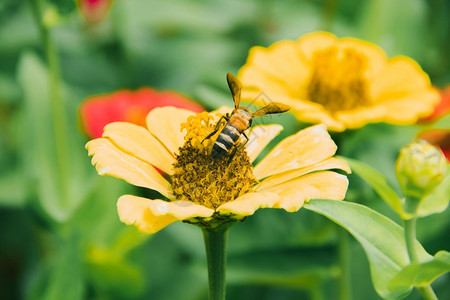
(246, 137)
(238, 147)
(226, 117)
(230, 157)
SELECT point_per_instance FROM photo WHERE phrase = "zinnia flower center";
(202, 179)
(337, 81)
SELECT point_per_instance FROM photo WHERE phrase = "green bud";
(420, 168)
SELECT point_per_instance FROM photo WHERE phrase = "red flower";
(439, 138)
(442, 108)
(128, 106)
(94, 10)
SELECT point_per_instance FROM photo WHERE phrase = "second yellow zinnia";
(343, 83)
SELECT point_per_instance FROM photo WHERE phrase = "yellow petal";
(300, 150)
(264, 87)
(259, 137)
(359, 117)
(316, 41)
(110, 160)
(318, 185)
(221, 111)
(281, 61)
(164, 123)
(376, 57)
(408, 109)
(400, 76)
(327, 164)
(320, 115)
(138, 142)
(248, 203)
(135, 211)
(150, 216)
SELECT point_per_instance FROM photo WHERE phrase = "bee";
(239, 120)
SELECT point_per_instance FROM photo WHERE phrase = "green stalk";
(329, 9)
(58, 112)
(409, 227)
(345, 286)
(215, 244)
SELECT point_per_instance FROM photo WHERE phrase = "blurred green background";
(60, 236)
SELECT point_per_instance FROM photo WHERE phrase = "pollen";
(198, 177)
(337, 81)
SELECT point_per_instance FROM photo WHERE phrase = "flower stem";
(345, 290)
(58, 112)
(329, 9)
(215, 244)
(410, 240)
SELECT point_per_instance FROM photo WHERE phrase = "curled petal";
(165, 123)
(110, 160)
(247, 204)
(150, 216)
(318, 185)
(300, 150)
(327, 164)
(259, 137)
(137, 141)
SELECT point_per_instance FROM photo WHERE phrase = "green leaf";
(381, 238)
(437, 201)
(378, 182)
(59, 190)
(13, 194)
(421, 274)
(61, 276)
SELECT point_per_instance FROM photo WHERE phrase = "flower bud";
(420, 168)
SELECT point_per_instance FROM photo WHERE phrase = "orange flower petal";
(318, 185)
(138, 142)
(300, 150)
(259, 137)
(110, 160)
(164, 123)
(327, 164)
(150, 216)
(247, 204)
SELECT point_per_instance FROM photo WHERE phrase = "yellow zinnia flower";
(208, 191)
(343, 83)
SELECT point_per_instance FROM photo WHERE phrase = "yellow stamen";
(337, 81)
(202, 179)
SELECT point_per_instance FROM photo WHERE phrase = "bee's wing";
(272, 108)
(235, 87)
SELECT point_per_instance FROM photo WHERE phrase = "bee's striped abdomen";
(225, 141)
